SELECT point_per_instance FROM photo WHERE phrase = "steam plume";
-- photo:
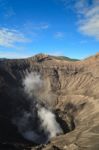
(32, 83)
(39, 124)
(48, 122)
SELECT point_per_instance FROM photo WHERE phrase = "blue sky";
(56, 27)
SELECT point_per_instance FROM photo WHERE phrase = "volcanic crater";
(49, 103)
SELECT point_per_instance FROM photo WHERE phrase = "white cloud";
(59, 35)
(9, 37)
(88, 15)
(68, 3)
(81, 6)
(89, 25)
(34, 30)
(33, 26)
(41, 26)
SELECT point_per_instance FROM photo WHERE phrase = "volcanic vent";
(41, 122)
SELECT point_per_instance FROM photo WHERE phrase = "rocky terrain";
(70, 90)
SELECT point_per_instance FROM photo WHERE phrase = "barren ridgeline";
(49, 103)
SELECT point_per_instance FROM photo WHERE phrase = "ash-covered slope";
(70, 89)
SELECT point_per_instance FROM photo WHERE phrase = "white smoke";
(48, 126)
(32, 83)
(25, 128)
(48, 122)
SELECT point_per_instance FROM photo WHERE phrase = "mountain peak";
(40, 57)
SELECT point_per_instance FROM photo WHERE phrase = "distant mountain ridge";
(42, 56)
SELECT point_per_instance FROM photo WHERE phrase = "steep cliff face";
(70, 89)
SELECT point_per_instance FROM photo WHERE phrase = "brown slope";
(75, 83)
